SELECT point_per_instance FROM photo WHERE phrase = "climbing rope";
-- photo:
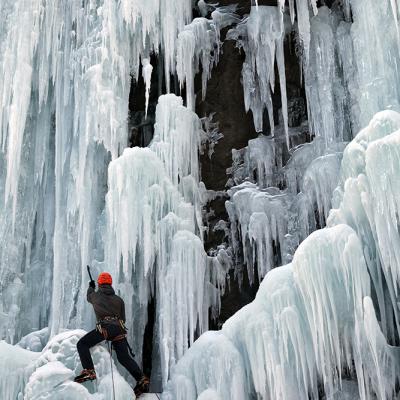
(109, 345)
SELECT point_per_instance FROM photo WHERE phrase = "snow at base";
(313, 324)
(48, 374)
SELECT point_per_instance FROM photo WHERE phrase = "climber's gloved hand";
(92, 284)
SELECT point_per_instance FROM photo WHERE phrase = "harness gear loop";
(103, 330)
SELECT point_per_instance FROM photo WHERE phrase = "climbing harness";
(114, 323)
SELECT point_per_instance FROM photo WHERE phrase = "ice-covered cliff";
(73, 192)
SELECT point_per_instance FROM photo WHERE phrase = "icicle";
(16, 69)
(147, 71)
(303, 24)
(259, 219)
(347, 9)
(394, 5)
(280, 60)
(314, 6)
(223, 17)
(292, 11)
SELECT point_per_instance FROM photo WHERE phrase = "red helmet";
(104, 279)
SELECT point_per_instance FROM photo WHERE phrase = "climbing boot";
(142, 386)
(86, 375)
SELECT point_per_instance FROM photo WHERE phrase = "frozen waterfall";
(310, 209)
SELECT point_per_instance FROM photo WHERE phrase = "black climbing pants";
(121, 349)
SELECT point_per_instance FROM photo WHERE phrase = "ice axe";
(92, 283)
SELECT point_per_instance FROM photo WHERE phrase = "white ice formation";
(65, 72)
(324, 322)
(199, 45)
(313, 323)
(65, 78)
(262, 35)
(72, 193)
(337, 81)
(268, 223)
(160, 253)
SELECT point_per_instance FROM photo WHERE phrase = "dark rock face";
(225, 98)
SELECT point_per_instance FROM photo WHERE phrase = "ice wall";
(160, 252)
(339, 76)
(313, 323)
(66, 70)
(271, 334)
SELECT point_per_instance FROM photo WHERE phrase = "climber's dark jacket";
(106, 303)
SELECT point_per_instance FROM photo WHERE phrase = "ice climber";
(110, 314)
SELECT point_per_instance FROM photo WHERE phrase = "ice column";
(66, 71)
(326, 96)
(376, 56)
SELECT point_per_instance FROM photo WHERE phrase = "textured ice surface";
(198, 45)
(369, 179)
(160, 252)
(261, 35)
(268, 223)
(327, 103)
(349, 73)
(66, 70)
(49, 374)
(337, 84)
(313, 321)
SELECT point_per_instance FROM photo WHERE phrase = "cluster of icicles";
(75, 195)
